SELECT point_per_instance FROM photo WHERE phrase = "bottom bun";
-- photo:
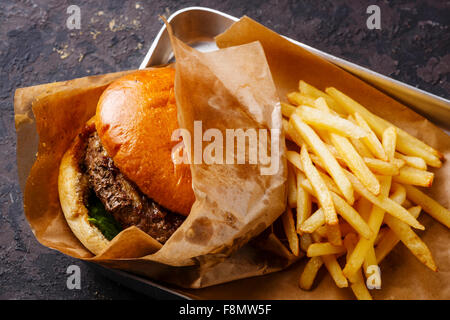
(72, 187)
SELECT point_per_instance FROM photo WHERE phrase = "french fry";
(316, 160)
(410, 145)
(341, 149)
(385, 203)
(379, 124)
(331, 185)
(429, 205)
(351, 216)
(303, 201)
(305, 241)
(323, 248)
(415, 211)
(369, 260)
(335, 270)
(332, 231)
(324, 135)
(293, 134)
(285, 124)
(322, 231)
(292, 188)
(309, 188)
(355, 163)
(380, 235)
(413, 176)
(399, 163)
(294, 98)
(414, 162)
(311, 224)
(289, 229)
(406, 143)
(361, 148)
(322, 193)
(398, 193)
(382, 167)
(309, 273)
(316, 237)
(319, 148)
(308, 99)
(299, 99)
(390, 239)
(326, 121)
(350, 241)
(360, 290)
(308, 89)
(335, 154)
(334, 235)
(412, 241)
(364, 208)
(371, 141)
(294, 158)
(389, 141)
(334, 151)
(322, 105)
(386, 245)
(344, 229)
(356, 281)
(356, 259)
(287, 109)
(407, 235)
(407, 204)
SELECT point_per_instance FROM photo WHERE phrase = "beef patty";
(122, 198)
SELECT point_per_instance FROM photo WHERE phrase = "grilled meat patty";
(122, 198)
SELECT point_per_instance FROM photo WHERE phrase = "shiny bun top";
(135, 118)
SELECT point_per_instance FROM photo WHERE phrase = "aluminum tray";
(197, 26)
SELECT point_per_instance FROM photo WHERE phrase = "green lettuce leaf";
(103, 220)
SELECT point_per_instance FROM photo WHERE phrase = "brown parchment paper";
(226, 89)
(403, 276)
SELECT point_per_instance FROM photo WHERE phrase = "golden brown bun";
(135, 118)
(72, 187)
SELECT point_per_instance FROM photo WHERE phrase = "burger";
(118, 172)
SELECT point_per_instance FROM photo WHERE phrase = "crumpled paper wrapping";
(403, 276)
(226, 89)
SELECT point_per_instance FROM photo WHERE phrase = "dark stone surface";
(36, 47)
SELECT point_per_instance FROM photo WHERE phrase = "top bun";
(135, 118)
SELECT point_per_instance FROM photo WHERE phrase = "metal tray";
(197, 26)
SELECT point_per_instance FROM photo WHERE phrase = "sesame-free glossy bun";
(136, 116)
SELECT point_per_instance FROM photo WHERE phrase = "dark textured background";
(36, 47)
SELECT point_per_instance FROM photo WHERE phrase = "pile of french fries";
(352, 188)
